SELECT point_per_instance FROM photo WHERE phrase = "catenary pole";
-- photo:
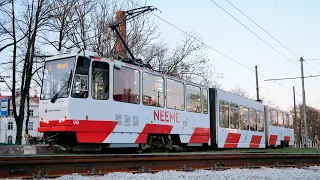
(304, 106)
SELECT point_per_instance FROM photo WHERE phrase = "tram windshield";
(57, 78)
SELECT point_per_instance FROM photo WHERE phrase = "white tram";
(280, 127)
(105, 103)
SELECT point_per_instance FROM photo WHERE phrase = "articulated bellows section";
(54, 166)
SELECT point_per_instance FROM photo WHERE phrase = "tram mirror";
(117, 65)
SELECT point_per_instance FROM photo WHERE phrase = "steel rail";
(59, 165)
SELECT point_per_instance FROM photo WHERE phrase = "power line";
(312, 67)
(259, 27)
(312, 59)
(291, 78)
(279, 12)
(258, 35)
(249, 30)
(215, 49)
(273, 64)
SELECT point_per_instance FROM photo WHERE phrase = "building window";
(260, 121)
(9, 139)
(224, 114)
(30, 112)
(234, 116)
(126, 85)
(193, 98)
(153, 90)
(100, 80)
(175, 95)
(30, 125)
(205, 101)
(10, 125)
(244, 118)
(253, 119)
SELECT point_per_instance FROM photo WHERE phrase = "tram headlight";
(45, 121)
(62, 120)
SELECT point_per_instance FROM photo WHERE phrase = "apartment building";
(8, 127)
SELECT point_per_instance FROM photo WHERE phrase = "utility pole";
(304, 106)
(257, 83)
(295, 116)
(304, 100)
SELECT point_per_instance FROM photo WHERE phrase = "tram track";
(59, 165)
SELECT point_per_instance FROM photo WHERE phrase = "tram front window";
(81, 80)
(57, 78)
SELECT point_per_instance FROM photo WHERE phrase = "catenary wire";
(258, 35)
(226, 56)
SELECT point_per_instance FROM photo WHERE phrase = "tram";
(87, 100)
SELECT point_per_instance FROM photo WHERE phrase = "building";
(8, 126)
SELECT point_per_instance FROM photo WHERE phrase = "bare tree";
(313, 123)
(22, 33)
(187, 61)
(64, 24)
(239, 91)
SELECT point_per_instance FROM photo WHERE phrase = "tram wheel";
(142, 147)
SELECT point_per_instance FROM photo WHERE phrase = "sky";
(293, 23)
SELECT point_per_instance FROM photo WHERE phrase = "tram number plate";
(76, 122)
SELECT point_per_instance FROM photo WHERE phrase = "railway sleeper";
(277, 165)
(94, 172)
(249, 166)
(218, 166)
(40, 175)
(186, 168)
(301, 165)
(141, 169)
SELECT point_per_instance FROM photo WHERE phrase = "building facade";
(8, 127)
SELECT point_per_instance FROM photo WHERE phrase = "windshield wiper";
(55, 97)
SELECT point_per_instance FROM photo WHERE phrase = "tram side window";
(244, 118)
(205, 101)
(253, 119)
(286, 120)
(224, 114)
(234, 116)
(193, 98)
(274, 118)
(152, 90)
(126, 85)
(100, 80)
(269, 117)
(260, 121)
(81, 80)
(175, 95)
(290, 122)
(280, 119)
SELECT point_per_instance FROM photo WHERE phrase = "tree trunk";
(19, 123)
(28, 114)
